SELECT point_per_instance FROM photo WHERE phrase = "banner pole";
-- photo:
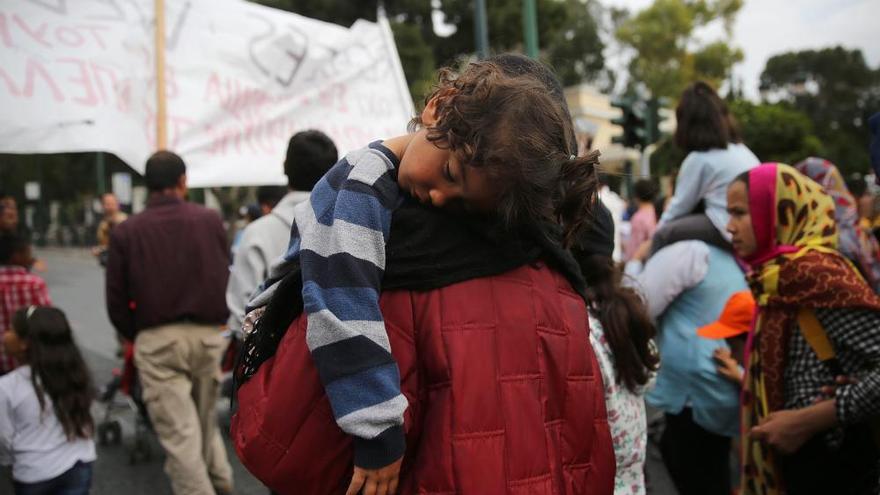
(161, 116)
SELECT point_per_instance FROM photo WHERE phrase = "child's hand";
(382, 481)
(727, 366)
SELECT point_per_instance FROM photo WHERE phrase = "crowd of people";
(469, 308)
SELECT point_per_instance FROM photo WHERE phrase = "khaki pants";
(179, 368)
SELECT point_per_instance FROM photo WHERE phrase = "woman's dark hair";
(624, 317)
(57, 368)
(744, 178)
(703, 120)
(519, 133)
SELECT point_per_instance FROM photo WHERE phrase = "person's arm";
(855, 331)
(118, 294)
(688, 190)
(343, 231)
(7, 430)
(249, 268)
(673, 270)
(789, 429)
(103, 233)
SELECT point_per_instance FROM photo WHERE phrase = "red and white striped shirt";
(18, 289)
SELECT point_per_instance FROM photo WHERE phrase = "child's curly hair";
(515, 129)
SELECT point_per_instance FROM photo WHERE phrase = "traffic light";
(628, 121)
(640, 120)
(652, 120)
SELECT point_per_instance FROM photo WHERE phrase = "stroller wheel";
(109, 433)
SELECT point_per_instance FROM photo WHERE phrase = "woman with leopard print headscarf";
(795, 440)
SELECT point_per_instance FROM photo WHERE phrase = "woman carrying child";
(472, 372)
(812, 302)
(46, 426)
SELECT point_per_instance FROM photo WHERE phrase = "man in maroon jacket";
(166, 273)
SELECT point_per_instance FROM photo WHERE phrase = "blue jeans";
(75, 481)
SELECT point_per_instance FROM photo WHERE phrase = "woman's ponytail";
(627, 326)
(576, 194)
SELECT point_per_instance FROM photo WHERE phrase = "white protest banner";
(240, 80)
(75, 76)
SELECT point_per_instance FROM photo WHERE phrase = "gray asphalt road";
(76, 284)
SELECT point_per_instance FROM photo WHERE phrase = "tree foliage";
(667, 56)
(836, 90)
(776, 132)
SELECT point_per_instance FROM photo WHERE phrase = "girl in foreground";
(46, 427)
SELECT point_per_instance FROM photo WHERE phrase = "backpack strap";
(814, 334)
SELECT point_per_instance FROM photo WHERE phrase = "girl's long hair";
(625, 320)
(57, 368)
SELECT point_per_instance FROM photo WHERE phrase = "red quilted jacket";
(505, 397)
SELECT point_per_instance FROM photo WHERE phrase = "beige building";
(592, 114)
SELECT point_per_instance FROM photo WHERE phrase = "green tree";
(666, 54)
(416, 58)
(776, 132)
(837, 91)
(575, 50)
(568, 34)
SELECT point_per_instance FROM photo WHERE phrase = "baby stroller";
(110, 429)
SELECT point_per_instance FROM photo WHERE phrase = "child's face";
(13, 344)
(435, 176)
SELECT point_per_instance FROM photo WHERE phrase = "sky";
(764, 28)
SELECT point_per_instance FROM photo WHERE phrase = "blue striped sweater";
(339, 237)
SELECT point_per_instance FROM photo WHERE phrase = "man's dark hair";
(310, 154)
(270, 195)
(163, 170)
(703, 120)
(10, 244)
(645, 190)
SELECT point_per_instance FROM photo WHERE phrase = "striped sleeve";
(342, 231)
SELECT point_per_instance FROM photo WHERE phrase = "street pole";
(530, 27)
(161, 117)
(100, 172)
(645, 168)
(481, 29)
